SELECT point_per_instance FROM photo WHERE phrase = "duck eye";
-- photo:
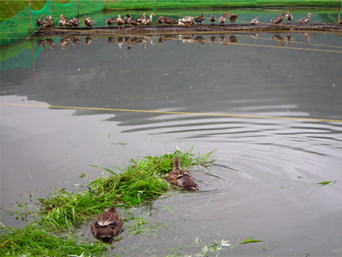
(97, 225)
(113, 225)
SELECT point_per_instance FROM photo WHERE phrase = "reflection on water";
(148, 40)
(264, 183)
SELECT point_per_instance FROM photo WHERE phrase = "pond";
(269, 104)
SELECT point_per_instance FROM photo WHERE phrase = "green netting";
(23, 23)
(25, 58)
(18, 26)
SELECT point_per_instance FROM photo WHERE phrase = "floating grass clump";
(139, 183)
(35, 241)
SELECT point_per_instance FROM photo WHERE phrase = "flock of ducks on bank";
(108, 224)
(146, 40)
(47, 21)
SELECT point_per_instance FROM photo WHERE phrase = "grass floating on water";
(139, 183)
(34, 241)
(250, 240)
(142, 181)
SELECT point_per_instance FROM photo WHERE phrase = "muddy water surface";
(266, 170)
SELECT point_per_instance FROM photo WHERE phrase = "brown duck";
(110, 21)
(89, 22)
(212, 19)
(233, 17)
(181, 178)
(279, 19)
(222, 18)
(199, 19)
(288, 16)
(166, 20)
(306, 19)
(106, 225)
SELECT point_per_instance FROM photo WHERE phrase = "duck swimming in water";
(181, 178)
(106, 225)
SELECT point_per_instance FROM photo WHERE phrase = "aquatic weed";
(139, 183)
(34, 241)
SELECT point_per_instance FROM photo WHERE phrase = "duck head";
(106, 225)
(105, 230)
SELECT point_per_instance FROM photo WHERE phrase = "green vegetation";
(36, 242)
(326, 182)
(138, 184)
(141, 182)
(250, 240)
(201, 249)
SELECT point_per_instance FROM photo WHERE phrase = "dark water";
(266, 170)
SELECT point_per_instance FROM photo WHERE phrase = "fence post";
(339, 11)
(105, 3)
(30, 5)
(50, 2)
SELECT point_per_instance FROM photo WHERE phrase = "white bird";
(255, 21)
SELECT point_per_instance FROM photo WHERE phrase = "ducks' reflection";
(46, 42)
(307, 36)
(88, 40)
(76, 41)
(279, 39)
(130, 41)
(288, 39)
(163, 39)
(186, 39)
(223, 40)
(233, 39)
(120, 41)
(255, 35)
(111, 39)
(200, 40)
(63, 43)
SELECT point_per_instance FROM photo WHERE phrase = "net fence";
(24, 22)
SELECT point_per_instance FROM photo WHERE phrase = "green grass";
(33, 241)
(139, 183)
(250, 240)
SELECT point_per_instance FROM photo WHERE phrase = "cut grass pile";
(37, 242)
(139, 183)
